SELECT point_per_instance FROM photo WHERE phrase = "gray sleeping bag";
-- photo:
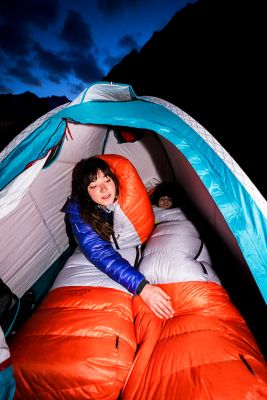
(175, 252)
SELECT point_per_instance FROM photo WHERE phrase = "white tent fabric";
(14, 192)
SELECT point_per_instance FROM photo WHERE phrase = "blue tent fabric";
(7, 384)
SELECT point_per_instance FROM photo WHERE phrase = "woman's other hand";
(157, 300)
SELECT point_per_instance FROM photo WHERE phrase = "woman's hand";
(157, 300)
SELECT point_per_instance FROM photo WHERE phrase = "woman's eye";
(92, 187)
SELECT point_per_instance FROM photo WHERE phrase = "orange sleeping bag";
(133, 197)
(205, 352)
(79, 344)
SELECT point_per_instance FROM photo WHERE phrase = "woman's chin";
(107, 202)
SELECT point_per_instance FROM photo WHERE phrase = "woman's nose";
(103, 187)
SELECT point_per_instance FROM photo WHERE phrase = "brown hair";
(165, 189)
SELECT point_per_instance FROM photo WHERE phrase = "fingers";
(161, 312)
(162, 307)
(165, 309)
(158, 301)
(158, 314)
(165, 304)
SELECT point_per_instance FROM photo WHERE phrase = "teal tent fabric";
(7, 384)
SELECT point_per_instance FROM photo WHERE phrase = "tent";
(35, 176)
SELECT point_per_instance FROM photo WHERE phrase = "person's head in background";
(165, 202)
(165, 195)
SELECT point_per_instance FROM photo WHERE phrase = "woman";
(93, 214)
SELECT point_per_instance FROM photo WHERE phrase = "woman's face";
(103, 190)
(165, 202)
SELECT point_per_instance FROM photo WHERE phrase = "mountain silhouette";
(208, 60)
(20, 110)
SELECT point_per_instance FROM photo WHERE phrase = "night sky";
(58, 47)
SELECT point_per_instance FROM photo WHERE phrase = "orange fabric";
(205, 352)
(79, 344)
(133, 197)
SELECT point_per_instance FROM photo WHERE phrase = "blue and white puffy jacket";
(102, 253)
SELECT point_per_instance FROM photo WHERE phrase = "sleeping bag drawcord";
(197, 255)
(138, 256)
(115, 241)
(242, 358)
(204, 268)
(199, 250)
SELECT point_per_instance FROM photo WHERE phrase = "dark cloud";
(18, 22)
(22, 71)
(59, 65)
(56, 65)
(76, 33)
(14, 41)
(109, 7)
(86, 68)
(128, 42)
(76, 89)
(18, 18)
(39, 13)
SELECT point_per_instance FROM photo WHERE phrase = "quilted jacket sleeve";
(101, 253)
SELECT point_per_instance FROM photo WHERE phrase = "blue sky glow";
(58, 47)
